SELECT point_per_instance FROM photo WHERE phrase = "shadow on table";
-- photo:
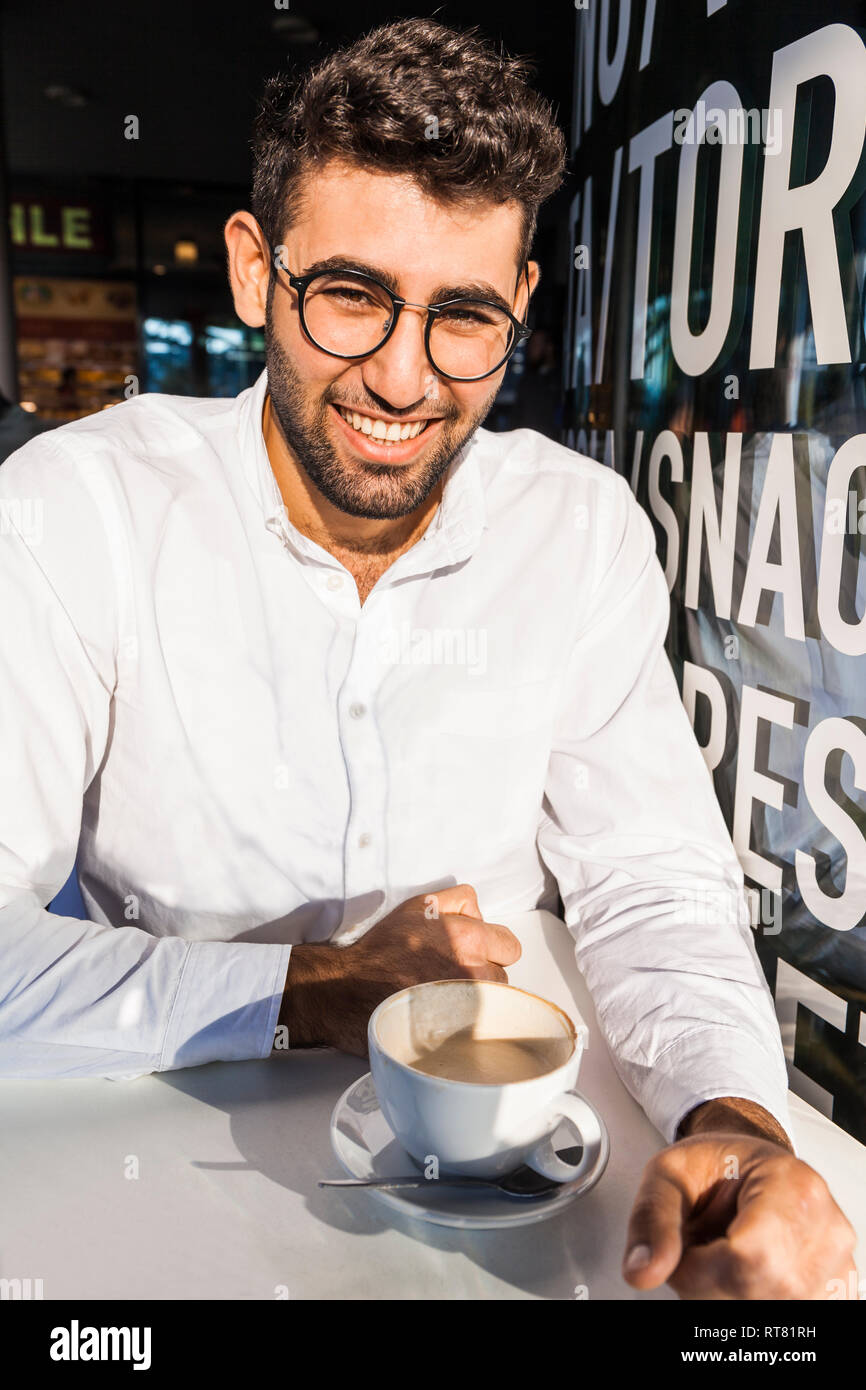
(280, 1111)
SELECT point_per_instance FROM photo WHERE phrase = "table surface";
(226, 1206)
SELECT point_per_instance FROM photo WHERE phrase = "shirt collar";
(454, 530)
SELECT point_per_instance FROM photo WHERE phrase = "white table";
(226, 1204)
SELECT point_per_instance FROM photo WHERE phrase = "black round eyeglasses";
(350, 314)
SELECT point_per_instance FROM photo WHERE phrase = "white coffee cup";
(479, 1128)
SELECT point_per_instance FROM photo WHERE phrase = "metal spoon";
(523, 1182)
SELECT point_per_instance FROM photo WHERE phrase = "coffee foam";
(493, 1061)
(476, 1031)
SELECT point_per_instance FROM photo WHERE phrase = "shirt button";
(364, 840)
(357, 711)
(335, 581)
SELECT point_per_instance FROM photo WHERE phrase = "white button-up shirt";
(243, 757)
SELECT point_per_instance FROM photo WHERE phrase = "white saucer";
(366, 1148)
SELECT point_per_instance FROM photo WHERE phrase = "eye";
(348, 294)
(471, 315)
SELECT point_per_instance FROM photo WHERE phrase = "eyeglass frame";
(301, 283)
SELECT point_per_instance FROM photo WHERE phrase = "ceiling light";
(65, 95)
(295, 28)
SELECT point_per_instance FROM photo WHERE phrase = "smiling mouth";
(382, 431)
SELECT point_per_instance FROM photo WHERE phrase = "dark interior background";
(192, 74)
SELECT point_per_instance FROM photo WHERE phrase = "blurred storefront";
(77, 343)
(120, 287)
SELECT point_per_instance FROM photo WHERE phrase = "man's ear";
(534, 272)
(249, 267)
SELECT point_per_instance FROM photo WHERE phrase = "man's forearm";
(734, 1115)
(304, 1012)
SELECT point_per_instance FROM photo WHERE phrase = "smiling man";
(325, 682)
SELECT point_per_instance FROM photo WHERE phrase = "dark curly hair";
(376, 103)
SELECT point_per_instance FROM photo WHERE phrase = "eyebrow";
(471, 289)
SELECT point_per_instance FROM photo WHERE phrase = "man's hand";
(331, 991)
(731, 1214)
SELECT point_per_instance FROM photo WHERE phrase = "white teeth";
(380, 429)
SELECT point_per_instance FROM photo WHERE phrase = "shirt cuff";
(226, 1003)
(708, 1064)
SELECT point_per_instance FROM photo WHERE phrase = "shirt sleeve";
(650, 881)
(82, 998)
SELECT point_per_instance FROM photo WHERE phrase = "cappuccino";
(523, 1054)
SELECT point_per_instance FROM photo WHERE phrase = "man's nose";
(400, 372)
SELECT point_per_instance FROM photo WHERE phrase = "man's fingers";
(715, 1271)
(474, 941)
(486, 972)
(727, 1269)
(655, 1231)
(772, 1233)
(787, 1237)
(490, 941)
(460, 899)
(500, 944)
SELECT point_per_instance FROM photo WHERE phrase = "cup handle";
(544, 1158)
